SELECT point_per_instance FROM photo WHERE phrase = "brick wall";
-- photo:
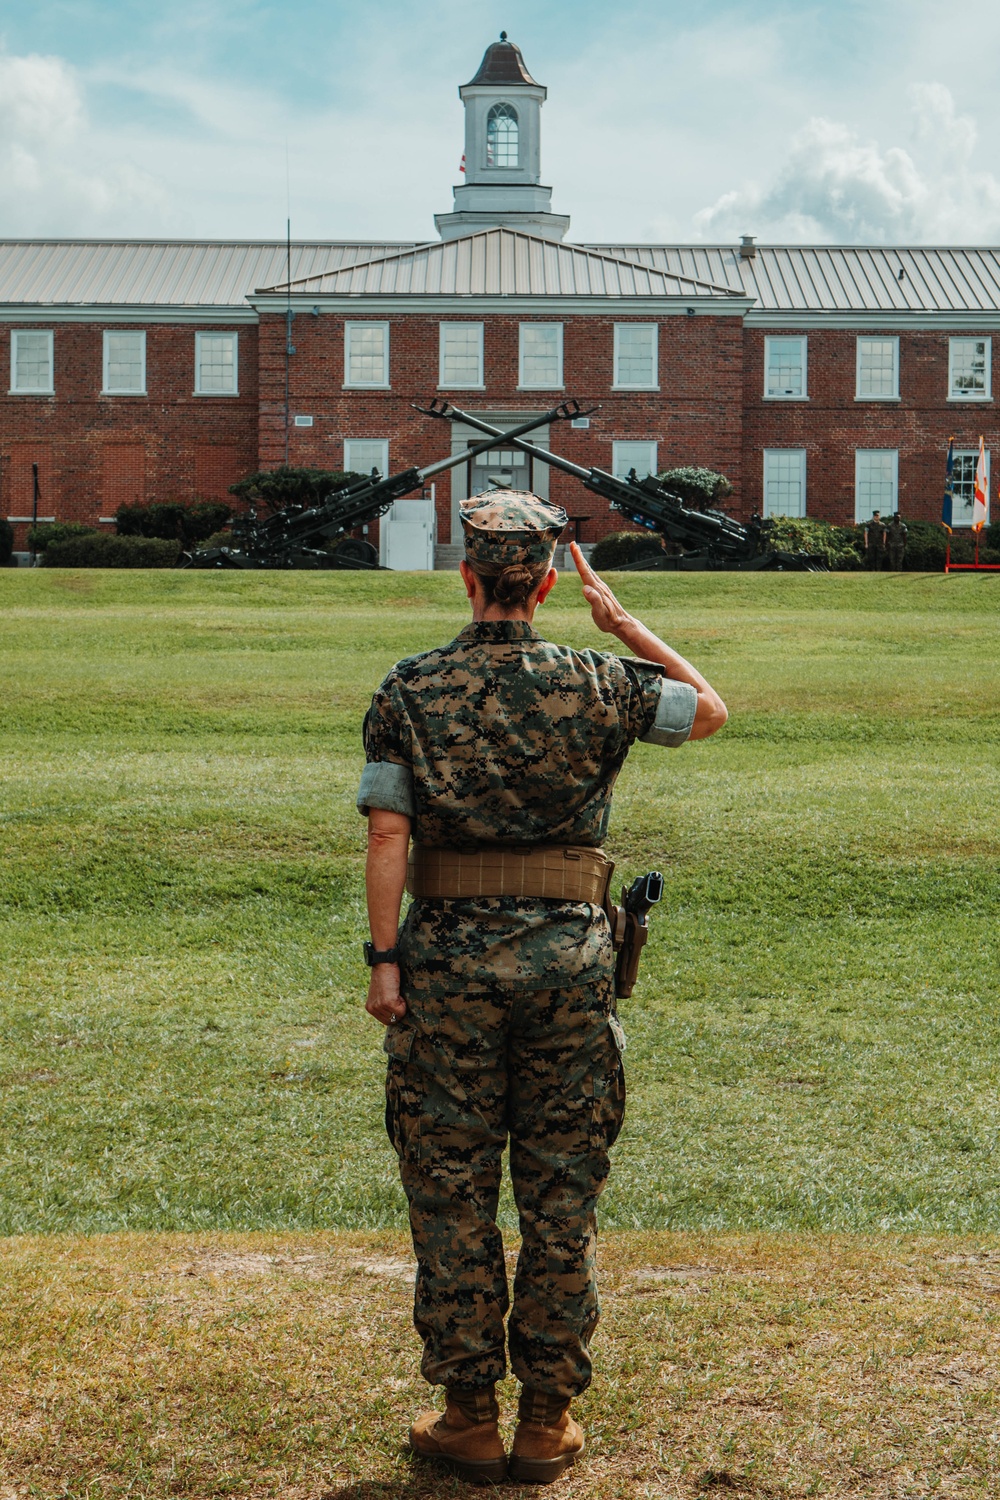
(831, 424)
(695, 417)
(95, 451)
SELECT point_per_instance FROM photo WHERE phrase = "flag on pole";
(979, 500)
(462, 165)
(949, 487)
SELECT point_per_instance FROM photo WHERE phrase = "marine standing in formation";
(895, 541)
(498, 754)
(875, 542)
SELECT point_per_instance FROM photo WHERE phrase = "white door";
(408, 529)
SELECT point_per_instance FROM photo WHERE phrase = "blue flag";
(949, 487)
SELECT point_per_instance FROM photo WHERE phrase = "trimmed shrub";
(840, 546)
(620, 547)
(103, 550)
(926, 543)
(40, 537)
(6, 542)
(217, 539)
(700, 489)
(287, 485)
(173, 520)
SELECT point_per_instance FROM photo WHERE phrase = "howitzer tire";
(353, 552)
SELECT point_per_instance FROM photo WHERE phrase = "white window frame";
(216, 333)
(32, 390)
(987, 394)
(877, 338)
(549, 385)
(365, 385)
(139, 390)
(459, 385)
(624, 385)
(382, 465)
(616, 449)
(780, 514)
(859, 454)
(802, 395)
(973, 454)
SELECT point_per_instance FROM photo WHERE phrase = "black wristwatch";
(375, 956)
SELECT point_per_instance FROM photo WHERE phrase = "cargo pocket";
(609, 1094)
(400, 1118)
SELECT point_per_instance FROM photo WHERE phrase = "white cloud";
(50, 172)
(836, 187)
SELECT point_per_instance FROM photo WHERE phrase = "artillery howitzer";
(298, 536)
(715, 540)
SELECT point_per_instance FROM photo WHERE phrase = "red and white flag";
(980, 502)
(462, 165)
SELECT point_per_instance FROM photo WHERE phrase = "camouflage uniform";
(503, 738)
(895, 537)
(875, 553)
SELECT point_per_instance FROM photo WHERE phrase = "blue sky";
(684, 122)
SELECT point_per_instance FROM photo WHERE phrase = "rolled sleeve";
(674, 714)
(387, 786)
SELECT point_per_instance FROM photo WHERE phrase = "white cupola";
(502, 162)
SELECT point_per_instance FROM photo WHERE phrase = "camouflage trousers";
(465, 1073)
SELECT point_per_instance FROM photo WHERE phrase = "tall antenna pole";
(289, 351)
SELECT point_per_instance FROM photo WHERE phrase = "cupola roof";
(502, 63)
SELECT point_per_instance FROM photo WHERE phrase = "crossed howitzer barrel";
(299, 536)
(710, 536)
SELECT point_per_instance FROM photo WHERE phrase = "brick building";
(823, 381)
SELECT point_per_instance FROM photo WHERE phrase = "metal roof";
(503, 262)
(158, 273)
(793, 279)
(839, 278)
(502, 63)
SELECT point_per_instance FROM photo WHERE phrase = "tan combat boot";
(465, 1436)
(546, 1440)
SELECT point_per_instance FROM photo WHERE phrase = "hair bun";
(513, 584)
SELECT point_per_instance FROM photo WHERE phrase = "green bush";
(699, 489)
(173, 520)
(839, 545)
(926, 542)
(40, 537)
(217, 539)
(620, 547)
(287, 485)
(103, 550)
(6, 542)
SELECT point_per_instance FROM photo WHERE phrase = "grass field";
(812, 1048)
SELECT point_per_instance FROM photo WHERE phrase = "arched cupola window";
(501, 136)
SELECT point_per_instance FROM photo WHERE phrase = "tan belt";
(555, 872)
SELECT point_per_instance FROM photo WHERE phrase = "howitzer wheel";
(354, 552)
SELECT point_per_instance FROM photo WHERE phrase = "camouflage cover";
(510, 526)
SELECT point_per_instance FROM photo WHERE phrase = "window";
(366, 354)
(878, 370)
(964, 484)
(541, 356)
(215, 361)
(628, 456)
(784, 481)
(875, 482)
(785, 367)
(969, 369)
(124, 362)
(501, 136)
(31, 362)
(461, 362)
(361, 455)
(635, 356)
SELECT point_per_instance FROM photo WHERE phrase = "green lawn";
(814, 1041)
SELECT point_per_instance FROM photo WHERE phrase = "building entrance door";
(501, 469)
